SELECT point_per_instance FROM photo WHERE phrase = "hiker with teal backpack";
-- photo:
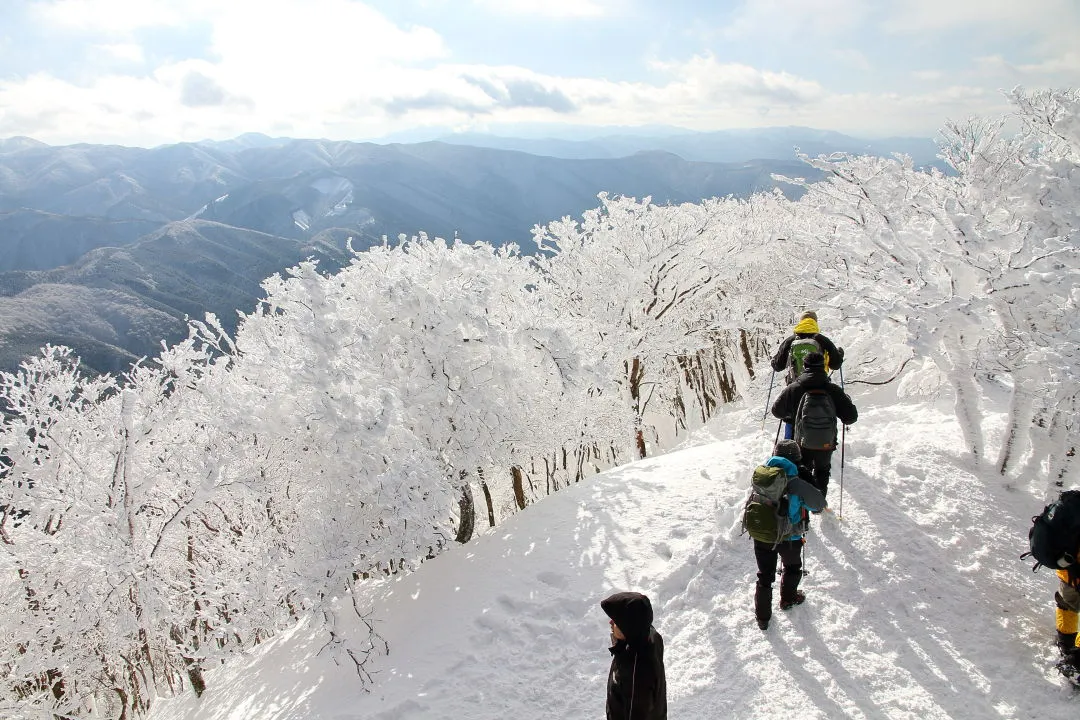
(775, 516)
(812, 404)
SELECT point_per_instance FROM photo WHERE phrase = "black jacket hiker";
(814, 378)
(637, 685)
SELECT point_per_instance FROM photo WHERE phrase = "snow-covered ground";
(917, 604)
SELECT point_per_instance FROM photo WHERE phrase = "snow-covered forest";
(360, 423)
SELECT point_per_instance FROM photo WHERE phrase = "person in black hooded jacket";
(813, 377)
(637, 685)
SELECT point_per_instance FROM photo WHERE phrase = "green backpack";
(765, 517)
(800, 348)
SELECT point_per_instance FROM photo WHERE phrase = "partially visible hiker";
(1054, 541)
(776, 518)
(811, 406)
(805, 339)
(637, 685)
(1067, 599)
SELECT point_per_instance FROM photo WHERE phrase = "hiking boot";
(763, 605)
(1066, 642)
(1069, 670)
(797, 599)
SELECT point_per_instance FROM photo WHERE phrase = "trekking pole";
(765, 414)
(777, 438)
(843, 437)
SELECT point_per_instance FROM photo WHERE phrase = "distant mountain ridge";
(130, 240)
(738, 145)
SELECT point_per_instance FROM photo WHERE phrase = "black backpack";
(815, 421)
(1055, 533)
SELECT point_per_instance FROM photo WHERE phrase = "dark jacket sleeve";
(650, 690)
(810, 495)
(779, 361)
(845, 409)
(786, 401)
(637, 685)
(836, 358)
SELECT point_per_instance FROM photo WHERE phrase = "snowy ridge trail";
(917, 605)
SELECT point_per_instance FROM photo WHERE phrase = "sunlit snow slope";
(918, 606)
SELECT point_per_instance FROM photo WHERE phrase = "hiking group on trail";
(794, 482)
(785, 492)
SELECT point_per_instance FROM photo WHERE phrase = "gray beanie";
(809, 314)
(788, 449)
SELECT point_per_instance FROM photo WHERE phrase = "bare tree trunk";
(490, 506)
(1020, 412)
(744, 346)
(960, 374)
(635, 374)
(467, 515)
(519, 487)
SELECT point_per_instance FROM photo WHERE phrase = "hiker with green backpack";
(805, 338)
(811, 405)
(775, 516)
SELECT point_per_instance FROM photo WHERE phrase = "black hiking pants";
(819, 462)
(789, 553)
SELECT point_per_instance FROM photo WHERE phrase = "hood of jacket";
(812, 378)
(784, 464)
(632, 612)
(806, 326)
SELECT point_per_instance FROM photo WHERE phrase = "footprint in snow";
(903, 469)
(553, 579)
(663, 550)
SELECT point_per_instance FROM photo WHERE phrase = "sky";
(150, 72)
(918, 605)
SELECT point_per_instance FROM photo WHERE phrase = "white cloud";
(197, 99)
(788, 18)
(113, 17)
(546, 8)
(340, 69)
(126, 52)
(291, 72)
(1046, 29)
(1007, 16)
(307, 55)
(928, 75)
(852, 59)
(705, 79)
